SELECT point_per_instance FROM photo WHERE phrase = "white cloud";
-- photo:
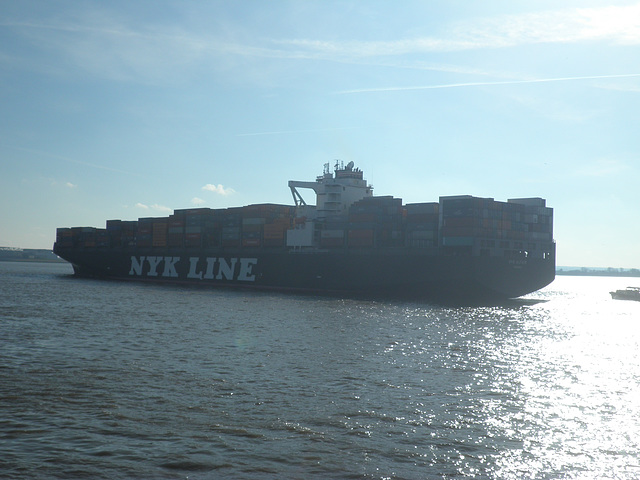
(197, 201)
(155, 206)
(617, 25)
(219, 189)
(70, 185)
(161, 208)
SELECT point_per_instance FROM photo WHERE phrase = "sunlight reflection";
(578, 373)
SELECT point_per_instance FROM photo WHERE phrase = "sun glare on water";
(581, 390)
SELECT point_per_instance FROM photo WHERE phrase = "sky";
(121, 110)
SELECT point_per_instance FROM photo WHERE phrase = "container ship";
(460, 248)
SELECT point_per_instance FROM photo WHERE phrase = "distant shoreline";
(598, 272)
(8, 254)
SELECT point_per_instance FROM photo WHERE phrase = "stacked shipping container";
(514, 227)
(422, 224)
(376, 222)
(121, 233)
(265, 225)
(252, 226)
(461, 225)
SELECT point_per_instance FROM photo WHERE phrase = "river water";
(106, 379)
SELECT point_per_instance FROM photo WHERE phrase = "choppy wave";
(118, 380)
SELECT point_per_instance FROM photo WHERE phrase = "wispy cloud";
(197, 201)
(70, 185)
(219, 189)
(114, 47)
(616, 25)
(104, 44)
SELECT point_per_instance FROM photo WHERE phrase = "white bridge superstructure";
(334, 195)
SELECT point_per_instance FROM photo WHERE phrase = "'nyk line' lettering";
(209, 268)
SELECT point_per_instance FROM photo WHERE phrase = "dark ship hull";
(398, 274)
(461, 248)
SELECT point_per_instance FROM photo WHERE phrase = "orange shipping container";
(274, 235)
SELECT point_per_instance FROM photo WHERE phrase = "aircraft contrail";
(482, 84)
(71, 160)
(292, 131)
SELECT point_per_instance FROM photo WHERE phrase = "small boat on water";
(629, 293)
